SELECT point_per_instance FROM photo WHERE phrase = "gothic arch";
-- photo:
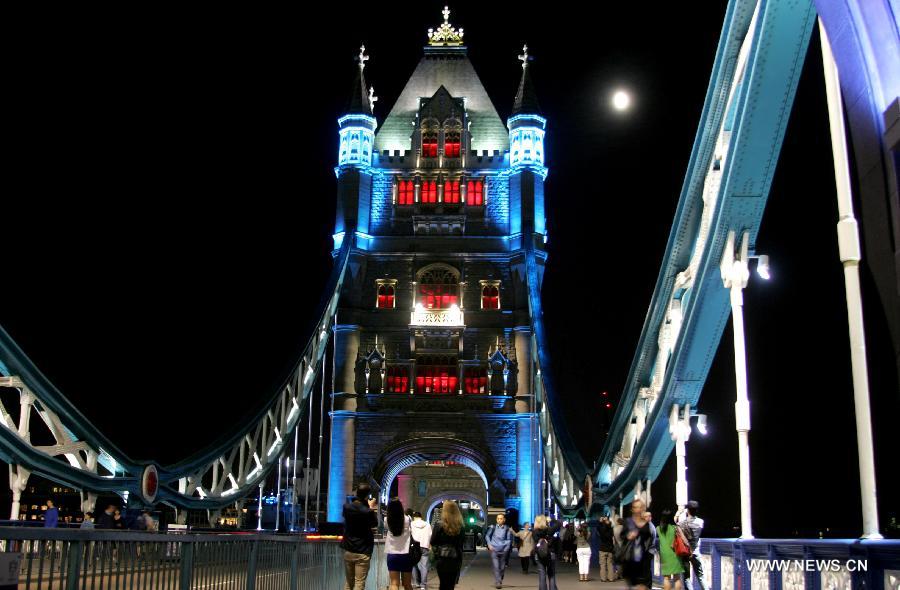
(434, 269)
(395, 459)
(433, 500)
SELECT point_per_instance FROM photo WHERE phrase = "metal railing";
(57, 559)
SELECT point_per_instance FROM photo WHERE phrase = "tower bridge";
(432, 332)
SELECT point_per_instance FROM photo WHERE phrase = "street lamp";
(680, 431)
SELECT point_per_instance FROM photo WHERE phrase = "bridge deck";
(477, 575)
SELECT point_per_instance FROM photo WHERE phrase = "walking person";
(359, 519)
(639, 538)
(88, 522)
(526, 546)
(583, 551)
(568, 543)
(51, 516)
(396, 546)
(692, 525)
(447, 545)
(118, 521)
(606, 547)
(617, 542)
(545, 538)
(107, 520)
(670, 565)
(421, 532)
(499, 543)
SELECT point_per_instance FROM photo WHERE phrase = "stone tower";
(433, 333)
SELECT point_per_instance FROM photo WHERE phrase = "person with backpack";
(692, 526)
(546, 550)
(670, 565)
(447, 545)
(526, 546)
(499, 541)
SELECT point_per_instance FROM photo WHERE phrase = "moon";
(621, 100)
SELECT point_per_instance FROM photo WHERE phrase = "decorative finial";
(363, 58)
(446, 34)
(372, 98)
(524, 57)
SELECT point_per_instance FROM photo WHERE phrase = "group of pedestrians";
(110, 519)
(626, 548)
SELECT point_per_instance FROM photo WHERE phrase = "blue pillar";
(340, 465)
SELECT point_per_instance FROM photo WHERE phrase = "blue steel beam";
(757, 116)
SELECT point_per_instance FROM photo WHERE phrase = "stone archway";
(432, 501)
(410, 452)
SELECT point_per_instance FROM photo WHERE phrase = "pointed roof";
(359, 102)
(526, 98)
(453, 71)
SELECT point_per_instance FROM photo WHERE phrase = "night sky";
(167, 231)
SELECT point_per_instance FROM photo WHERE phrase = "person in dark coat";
(107, 519)
(544, 529)
(605, 534)
(447, 545)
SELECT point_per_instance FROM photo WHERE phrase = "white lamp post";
(735, 273)
(680, 430)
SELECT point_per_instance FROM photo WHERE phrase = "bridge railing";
(99, 560)
(800, 564)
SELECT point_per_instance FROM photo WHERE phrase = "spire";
(526, 98)
(360, 99)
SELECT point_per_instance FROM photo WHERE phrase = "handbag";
(680, 544)
(415, 549)
(624, 552)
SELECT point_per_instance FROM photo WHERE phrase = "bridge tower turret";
(526, 158)
(356, 132)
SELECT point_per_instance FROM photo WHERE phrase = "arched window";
(397, 379)
(490, 295)
(436, 374)
(438, 287)
(386, 289)
(429, 191)
(451, 191)
(452, 144)
(476, 380)
(429, 144)
(406, 192)
(475, 192)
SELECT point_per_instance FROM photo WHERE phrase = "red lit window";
(476, 380)
(438, 296)
(451, 191)
(397, 380)
(429, 144)
(436, 375)
(429, 191)
(406, 192)
(475, 192)
(451, 144)
(385, 296)
(490, 297)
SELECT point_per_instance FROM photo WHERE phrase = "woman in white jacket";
(421, 532)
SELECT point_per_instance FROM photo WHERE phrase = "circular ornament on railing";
(149, 484)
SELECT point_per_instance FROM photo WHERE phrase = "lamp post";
(735, 273)
(680, 430)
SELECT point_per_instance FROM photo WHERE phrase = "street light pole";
(735, 272)
(850, 253)
(680, 430)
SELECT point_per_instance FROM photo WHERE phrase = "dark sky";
(167, 233)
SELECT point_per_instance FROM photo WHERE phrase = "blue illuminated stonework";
(433, 344)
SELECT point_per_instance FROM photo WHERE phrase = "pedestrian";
(118, 521)
(692, 526)
(583, 551)
(88, 522)
(51, 516)
(639, 541)
(617, 542)
(670, 565)
(545, 531)
(499, 541)
(526, 546)
(568, 543)
(606, 547)
(421, 532)
(396, 546)
(360, 518)
(106, 520)
(149, 522)
(446, 545)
